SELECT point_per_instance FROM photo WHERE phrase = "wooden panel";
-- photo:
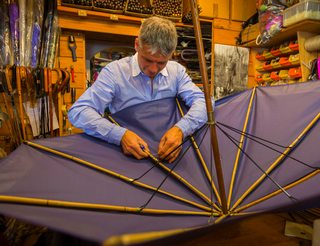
(227, 37)
(218, 8)
(226, 24)
(232, 10)
(79, 84)
(251, 82)
(100, 22)
(79, 81)
(64, 45)
(242, 10)
(79, 65)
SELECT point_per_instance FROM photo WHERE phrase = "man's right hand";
(132, 145)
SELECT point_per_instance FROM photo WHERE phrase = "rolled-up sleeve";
(194, 98)
(86, 113)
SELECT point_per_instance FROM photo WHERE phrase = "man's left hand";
(170, 141)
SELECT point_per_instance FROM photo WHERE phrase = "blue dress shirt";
(121, 84)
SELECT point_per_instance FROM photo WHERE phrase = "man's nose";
(153, 68)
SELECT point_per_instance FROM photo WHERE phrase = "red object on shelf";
(275, 75)
(284, 61)
(267, 65)
(294, 45)
(258, 78)
(260, 57)
(295, 72)
(275, 51)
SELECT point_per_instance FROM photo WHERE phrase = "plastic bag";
(271, 21)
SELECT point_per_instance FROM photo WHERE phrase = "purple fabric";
(14, 29)
(278, 114)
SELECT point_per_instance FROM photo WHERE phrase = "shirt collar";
(136, 69)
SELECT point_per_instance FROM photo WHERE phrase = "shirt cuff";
(116, 135)
(184, 126)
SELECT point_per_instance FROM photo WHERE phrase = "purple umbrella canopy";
(268, 140)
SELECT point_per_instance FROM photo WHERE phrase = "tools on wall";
(32, 100)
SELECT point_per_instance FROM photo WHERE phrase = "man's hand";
(131, 145)
(170, 140)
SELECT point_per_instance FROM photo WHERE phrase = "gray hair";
(160, 34)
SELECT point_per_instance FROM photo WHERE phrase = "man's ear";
(136, 44)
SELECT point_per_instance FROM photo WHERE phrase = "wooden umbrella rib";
(138, 238)
(289, 186)
(117, 175)
(203, 163)
(172, 173)
(278, 160)
(96, 206)
(237, 160)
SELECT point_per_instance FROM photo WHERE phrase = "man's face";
(150, 64)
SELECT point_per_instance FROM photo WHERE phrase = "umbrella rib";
(238, 155)
(200, 156)
(289, 186)
(171, 170)
(96, 206)
(165, 178)
(279, 159)
(116, 175)
(174, 174)
(255, 163)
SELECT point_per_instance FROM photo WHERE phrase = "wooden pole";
(211, 121)
(96, 206)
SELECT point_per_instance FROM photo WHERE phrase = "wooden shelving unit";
(300, 31)
(311, 26)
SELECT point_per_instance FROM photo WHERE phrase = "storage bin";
(284, 48)
(139, 8)
(275, 62)
(283, 74)
(275, 51)
(267, 65)
(267, 55)
(284, 62)
(260, 56)
(258, 78)
(306, 10)
(275, 75)
(294, 45)
(78, 4)
(110, 6)
(171, 9)
(295, 73)
(294, 59)
(266, 78)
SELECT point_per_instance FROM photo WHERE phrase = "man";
(146, 76)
